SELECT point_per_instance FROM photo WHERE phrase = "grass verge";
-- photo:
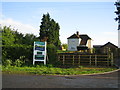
(44, 70)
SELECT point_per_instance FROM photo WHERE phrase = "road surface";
(109, 80)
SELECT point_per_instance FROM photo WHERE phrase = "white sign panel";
(39, 52)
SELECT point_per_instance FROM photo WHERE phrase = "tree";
(18, 37)
(45, 25)
(8, 37)
(65, 46)
(49, 28)
(26, 39)
(15, 44)
(29, 39)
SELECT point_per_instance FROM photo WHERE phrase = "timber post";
(90, 59)
(95, 60)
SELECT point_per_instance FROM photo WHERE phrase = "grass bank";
(44, 70)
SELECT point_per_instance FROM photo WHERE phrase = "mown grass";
(44, 70)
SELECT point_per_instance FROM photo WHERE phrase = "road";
(109, 80)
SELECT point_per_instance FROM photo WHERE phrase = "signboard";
(39, 52)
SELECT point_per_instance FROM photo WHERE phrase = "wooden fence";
(86, 59)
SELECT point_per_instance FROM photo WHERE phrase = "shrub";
(16, 51)
(52, 53)
(80, 67)
(18, 63)
(7, 63)
(49, 65)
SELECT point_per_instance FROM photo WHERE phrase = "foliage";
(29, 39)
(49, 28)
(14, 52)
(8, 37)
(7, 63)
(65, 46)
(26, 39)
(61, 51)
(11, 37)
(15, 45)
(49, 70)
(18, 63)
(18, 37)
(52, 53)
(81, 67)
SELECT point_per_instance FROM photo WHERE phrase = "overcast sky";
(96, 19)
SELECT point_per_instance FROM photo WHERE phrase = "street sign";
(39, 52)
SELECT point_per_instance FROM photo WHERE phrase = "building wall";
(109, 48)
(72, 44)
(89, 44)
(118, 38)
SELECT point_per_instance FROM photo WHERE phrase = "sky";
(96, 19)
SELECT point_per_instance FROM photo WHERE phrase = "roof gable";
(82, 36)
(73, 36)
(102, 46)
(109, 43)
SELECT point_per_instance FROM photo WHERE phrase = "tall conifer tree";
(49, 28)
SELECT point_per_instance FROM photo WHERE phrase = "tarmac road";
(109, 80)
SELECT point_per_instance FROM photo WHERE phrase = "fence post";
(108, 59)
(111, 59)
(58, 57)
(95, 60)
(79, 60)
(90, 59)
(63, 59)
(73, 59)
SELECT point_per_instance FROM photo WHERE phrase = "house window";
(73, 40)
(72, 47)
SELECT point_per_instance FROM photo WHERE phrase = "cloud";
(20, 27)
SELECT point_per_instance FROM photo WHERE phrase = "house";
(79, 42)
(106, 48)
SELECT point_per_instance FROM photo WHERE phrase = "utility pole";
(117, 3)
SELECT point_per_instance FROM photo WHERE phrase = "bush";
(52, 53)
(14, 52)
(7, 63)
(18, 63)
(49, 65)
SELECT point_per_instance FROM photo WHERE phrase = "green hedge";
(52, 53)
(14, 52)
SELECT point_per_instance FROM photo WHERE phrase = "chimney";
(77, 33)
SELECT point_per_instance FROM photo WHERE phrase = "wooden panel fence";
(82, 59)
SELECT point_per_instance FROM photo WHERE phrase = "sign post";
(39, 52)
